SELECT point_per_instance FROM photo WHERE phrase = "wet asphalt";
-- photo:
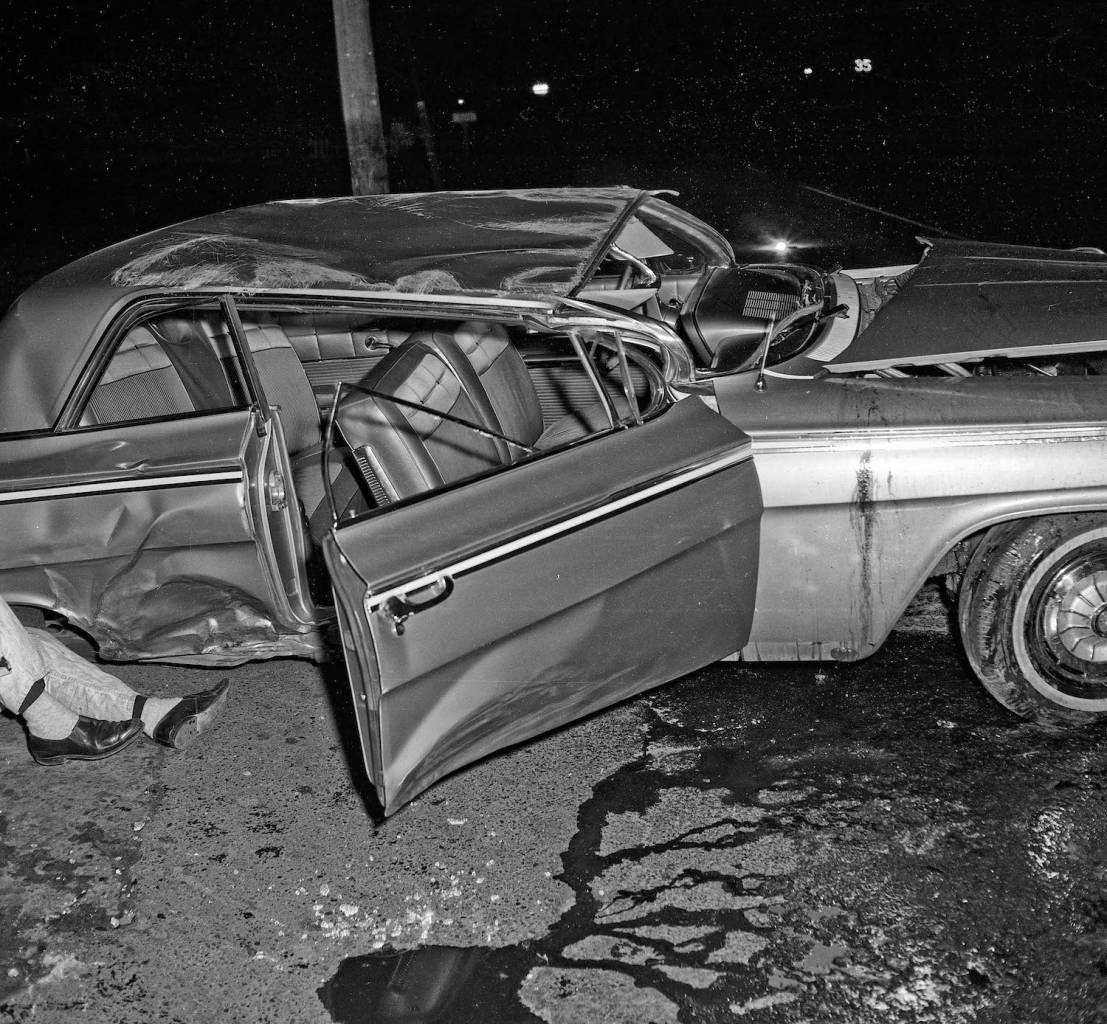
(877, 842)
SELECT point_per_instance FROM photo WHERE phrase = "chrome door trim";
(607, 506)
(118, 485)
(796, 442)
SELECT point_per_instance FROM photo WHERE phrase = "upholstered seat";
(140, 382)
(408, 451)
(473, 373)
(508, 396)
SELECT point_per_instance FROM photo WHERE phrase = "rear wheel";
(1033, 617)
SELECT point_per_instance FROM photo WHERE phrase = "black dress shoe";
(90, 740)
(191, 716)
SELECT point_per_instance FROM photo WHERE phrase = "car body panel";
(143, 536)
(970, 300)
(556, 570)
(868, 483)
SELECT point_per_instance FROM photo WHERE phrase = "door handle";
(400, 608)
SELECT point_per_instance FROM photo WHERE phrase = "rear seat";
(163, 367)
(140, 382)
(286, 385)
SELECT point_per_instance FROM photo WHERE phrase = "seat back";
(409, 451)
(511, 402)
(286, 384)
(139, 383)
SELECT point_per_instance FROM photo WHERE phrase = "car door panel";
(141, 535)
(576, 580)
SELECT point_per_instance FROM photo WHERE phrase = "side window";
(454, 401)
(171, 364)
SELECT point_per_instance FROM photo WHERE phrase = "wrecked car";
(534, 452)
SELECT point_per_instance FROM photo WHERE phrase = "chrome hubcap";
(1060, 641)
(1074, 615)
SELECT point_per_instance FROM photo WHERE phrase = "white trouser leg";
(80, 685)
(24, 661)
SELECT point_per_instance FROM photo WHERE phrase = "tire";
(1033, 617)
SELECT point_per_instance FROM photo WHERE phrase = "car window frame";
(578, 339)
(135, 315)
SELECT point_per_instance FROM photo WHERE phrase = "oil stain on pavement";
(870, 843)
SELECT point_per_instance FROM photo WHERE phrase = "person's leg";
(21, 667)
(91, 691)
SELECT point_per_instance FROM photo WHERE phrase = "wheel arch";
(957, 554)
(951, 550)
(954, 552)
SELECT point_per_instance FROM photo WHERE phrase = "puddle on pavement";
(435, 983)
(695, 895)
(673, 871)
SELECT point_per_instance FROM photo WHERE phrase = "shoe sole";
(192, 728)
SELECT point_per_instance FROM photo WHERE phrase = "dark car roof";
(969, 300)
(525, 242)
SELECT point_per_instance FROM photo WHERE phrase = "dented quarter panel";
(140, 535)
(867, 484)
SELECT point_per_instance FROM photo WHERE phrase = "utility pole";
(361, 101)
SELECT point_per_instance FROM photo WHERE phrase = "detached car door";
(480, 616)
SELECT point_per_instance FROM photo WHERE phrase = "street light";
(540, 88)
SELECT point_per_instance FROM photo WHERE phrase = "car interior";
(416, 404)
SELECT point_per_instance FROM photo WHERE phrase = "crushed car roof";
(532, 241)
(524, 242)
(971, 300)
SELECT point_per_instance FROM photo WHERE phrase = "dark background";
(983, 120)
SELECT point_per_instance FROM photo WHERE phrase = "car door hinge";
(276, 493)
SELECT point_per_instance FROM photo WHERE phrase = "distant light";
(540, 88)
(460, 102)
(781, 247)
(808, 71)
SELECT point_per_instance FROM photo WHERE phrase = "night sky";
(986, 119)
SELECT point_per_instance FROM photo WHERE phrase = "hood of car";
(971, 300)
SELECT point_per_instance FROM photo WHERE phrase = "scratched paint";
(863, 516)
